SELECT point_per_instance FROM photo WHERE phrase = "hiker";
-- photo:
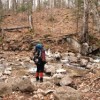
(40, 61)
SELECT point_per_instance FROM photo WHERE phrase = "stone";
(5, 88)
(90, 59)
(83, 62)
(71, 54)
(49, 91)
(84, 48)
(40, 91)
(96, 60)
(46, 85)
(67, 93)
(57, 56)
(50, 68)
(7, 72)
(61, 71)
(74, 44)
(64, 61)
(52, 97)
(32, 70)
(78, 55)
(65, 81)
(22, 84)
(73, 59)
(40, 96)
(27, 64)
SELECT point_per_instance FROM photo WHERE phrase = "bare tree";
(1, 10)
(84, 35)
(96, 14)
(39, 4)
(14, 5)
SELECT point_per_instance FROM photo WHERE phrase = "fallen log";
(15, 28)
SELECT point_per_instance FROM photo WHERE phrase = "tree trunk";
(96, 14)
(31, 22)
(84, 36)
(14, 5)
(39, 5)
(1, 12)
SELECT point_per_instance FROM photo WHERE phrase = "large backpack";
(40, 53)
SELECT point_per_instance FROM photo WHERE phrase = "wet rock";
(67, 93)
(27, 64)
(32, 70)
(96, 60)
(64, 61)
(65, 81)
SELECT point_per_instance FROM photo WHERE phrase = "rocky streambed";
(68, 76)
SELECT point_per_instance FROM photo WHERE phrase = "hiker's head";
(39, 46)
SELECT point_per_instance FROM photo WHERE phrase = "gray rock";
(83, 62)
(67, 93)
(5, 88)
(27, 64)
(46, 85)
(71, 54)
(50, 69)
(7, 72)
(65, 81)
(73, 59)
(84, 48)
(22, 84)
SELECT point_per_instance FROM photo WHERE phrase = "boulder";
(50, 69)
(73, 59)
(67, 93)
(57, 56)
(22, 84)
(7, 71)
(83, 62)
(46, 85)
(84, 48)
(71, 54)
(5, 88)
(65, 81)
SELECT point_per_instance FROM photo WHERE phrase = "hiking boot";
(37, 78)
(41, 79)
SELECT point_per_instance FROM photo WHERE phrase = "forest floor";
(53, 24)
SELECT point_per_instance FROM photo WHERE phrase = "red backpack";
(43, 55)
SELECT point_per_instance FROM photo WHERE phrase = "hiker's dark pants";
(40, 70)
(40, 67)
